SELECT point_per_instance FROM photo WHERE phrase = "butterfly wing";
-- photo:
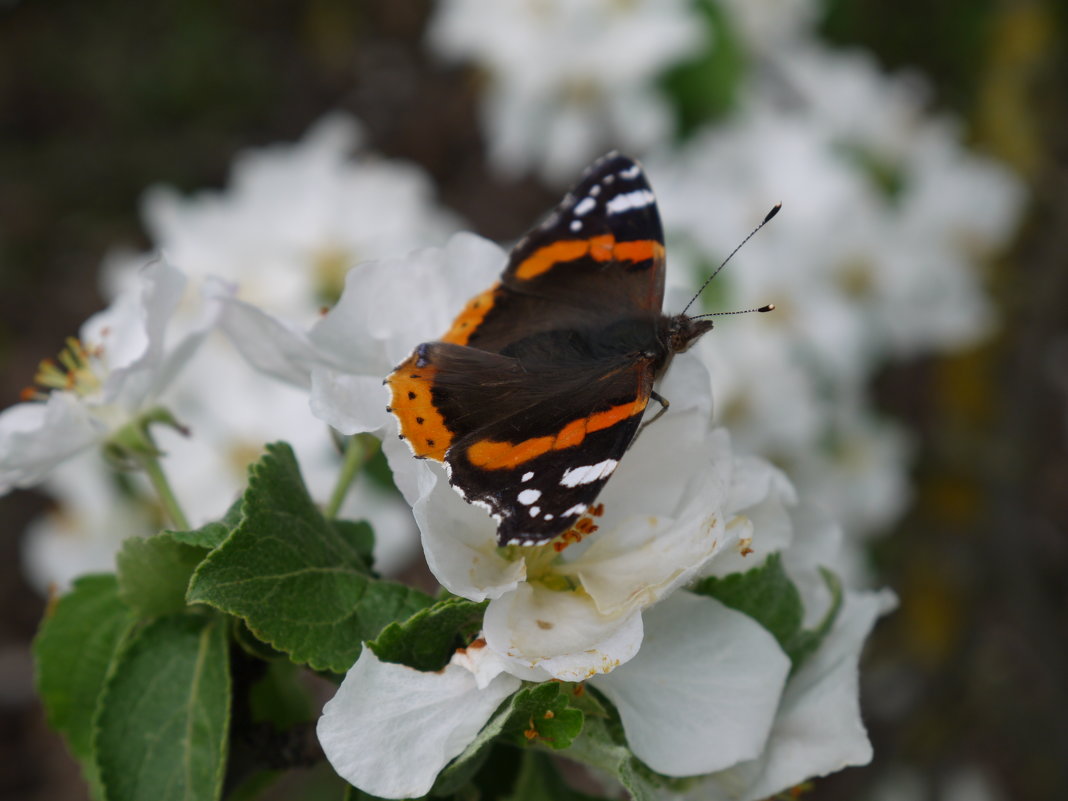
(535, 392)
(599, 256)
(533, 447)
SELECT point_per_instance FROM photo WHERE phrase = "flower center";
(542, 560)
(330, 265)
(76, 372)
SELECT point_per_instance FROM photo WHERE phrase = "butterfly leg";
(664, 404)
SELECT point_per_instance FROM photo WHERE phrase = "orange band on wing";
(411, 402)
(600, 248)
(471, 317)
(492, 455)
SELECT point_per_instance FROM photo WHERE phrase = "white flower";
(708, 692)
(294, 219)
(569, 78)
(125, 357)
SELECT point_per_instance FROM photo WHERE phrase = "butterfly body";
(536, 391)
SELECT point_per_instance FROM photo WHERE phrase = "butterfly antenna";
(767, 308)
(765, 221)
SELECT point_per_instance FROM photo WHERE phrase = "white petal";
(271, 345)
(702, 692)
(818, 729)
(460, 541)
(352, 404)
(131, 335)
(645, 556)
(560, 632)
(390, 729)
(35, 437)
(391, 305)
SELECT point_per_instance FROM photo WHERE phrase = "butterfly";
(534, 394)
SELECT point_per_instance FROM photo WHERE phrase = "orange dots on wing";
(412, 404)
(495, 455)
(601, 248)
(471, 317)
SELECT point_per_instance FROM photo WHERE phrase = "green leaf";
(300, 583)
(251, 644)
(154, 573)
(279, 698)
(73, 651)
(539, 780)
(427, 639)
(542, 713)
(597, 747)
(360, 534)
(211, 535)
(161, 733)
(765, 593)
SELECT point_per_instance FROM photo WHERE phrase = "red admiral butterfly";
(534, 394)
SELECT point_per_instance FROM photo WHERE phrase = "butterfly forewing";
(598, 256)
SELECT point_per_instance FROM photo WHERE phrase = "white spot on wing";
(586, 206)
(575, 225)
(527, 476)
(595, 190)
(637, 199)
(548, 516)
(588, 473)
(528, 496)
(535, 511)
(577, 509)
(631, 172)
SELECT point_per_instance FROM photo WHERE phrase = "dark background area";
(100, 100)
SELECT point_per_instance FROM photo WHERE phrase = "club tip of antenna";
(769, 307)
(773, 212)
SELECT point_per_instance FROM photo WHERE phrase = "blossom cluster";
(280, 303)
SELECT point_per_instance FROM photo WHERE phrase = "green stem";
(159, 480)
(354, 457)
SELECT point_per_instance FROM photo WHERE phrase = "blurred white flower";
(766, 25)
(91, 518)
(294, 219)
(113, 373)
(887, 222)
(568, 79)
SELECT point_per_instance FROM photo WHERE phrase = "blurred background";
(914, 379)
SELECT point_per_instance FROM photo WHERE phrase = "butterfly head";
(683, 331)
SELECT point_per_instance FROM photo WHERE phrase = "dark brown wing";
(534, 445)
(599, 256)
